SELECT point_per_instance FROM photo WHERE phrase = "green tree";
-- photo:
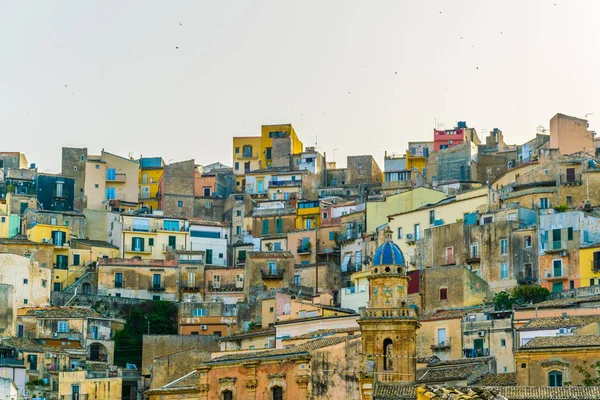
(590, 378)
(529, 294)
(159, 317)
(503, 301)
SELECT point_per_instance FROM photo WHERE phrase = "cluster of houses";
(296, 278)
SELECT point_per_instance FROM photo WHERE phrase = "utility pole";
(148, 327)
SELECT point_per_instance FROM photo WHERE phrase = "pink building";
(442, 139)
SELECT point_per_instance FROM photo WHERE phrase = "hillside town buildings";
(459, 261)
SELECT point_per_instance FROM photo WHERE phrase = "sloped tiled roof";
(303, 348)
(409, 392)
(58, 312)
(506, 379)
(446, 374)
(558, 342)
(95, 243)
(561, 303)
(559, 322)
(190, 380)
(322, 333)
(468, 393)
(265, 332)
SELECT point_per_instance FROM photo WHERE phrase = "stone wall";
(73, 166)
(160, 345)
(363, 170)
(7, 311)
(179, 187)
(172, 366)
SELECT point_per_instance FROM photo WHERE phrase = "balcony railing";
(284, 183)
(404, 313)
(136, 249)
(229, 287)
(524, 280)
(574, 179)
(156, 287)
(557, 245)
(272, 274)
(248, 155)
(67, 335)
(473, 258)
(11, 361)
(441, 344)
(304, 250)
(240, 261)
(191, 285)
(176, 247)
(116, 178)
(79, 396)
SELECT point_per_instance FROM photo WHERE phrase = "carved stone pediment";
(251, 383)
(203, 388)
(275, 376)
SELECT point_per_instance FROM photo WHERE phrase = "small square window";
(444, 294)
(118, 294)
(523, 365)
(96, 186)
(44, 283)
(180, 203)
(82, 158)
(220, 255)
(502, 342)
(75, 168)
(25, 301)
(3, 219)
(271, 309)
(25, 281)
(97, 166)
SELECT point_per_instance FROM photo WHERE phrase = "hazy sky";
(364, 77)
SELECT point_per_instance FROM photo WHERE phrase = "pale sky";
(362, 76)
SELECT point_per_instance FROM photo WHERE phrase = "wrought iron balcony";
(138, 249)
(156, 287)
(272, 274)
(442, 344)
(116, 178)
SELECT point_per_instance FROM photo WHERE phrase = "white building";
(31, 282)
(211, 237)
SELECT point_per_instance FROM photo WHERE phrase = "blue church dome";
(388, 254)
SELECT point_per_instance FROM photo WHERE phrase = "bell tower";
(388, 327)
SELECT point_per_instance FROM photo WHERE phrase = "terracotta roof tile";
(409, 392)
(302, 348)
(266, 332)
(559, 322)
(506, 379)
(557, 342)
(323, 332)
(58, 312)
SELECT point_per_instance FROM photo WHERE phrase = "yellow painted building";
(150, 177)
(58, 236)
(247, 152)
(415, 162)
(308, 215)
(589, 272)
(81, 253)
(378, 211)
(268, 132)
(83, 385)
(109, 176)
(149, 236)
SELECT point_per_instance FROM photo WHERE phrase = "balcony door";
(156, 281)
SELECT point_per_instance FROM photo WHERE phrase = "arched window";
(555, 378)
(388, 349)
(277, 393)
(227, 395)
